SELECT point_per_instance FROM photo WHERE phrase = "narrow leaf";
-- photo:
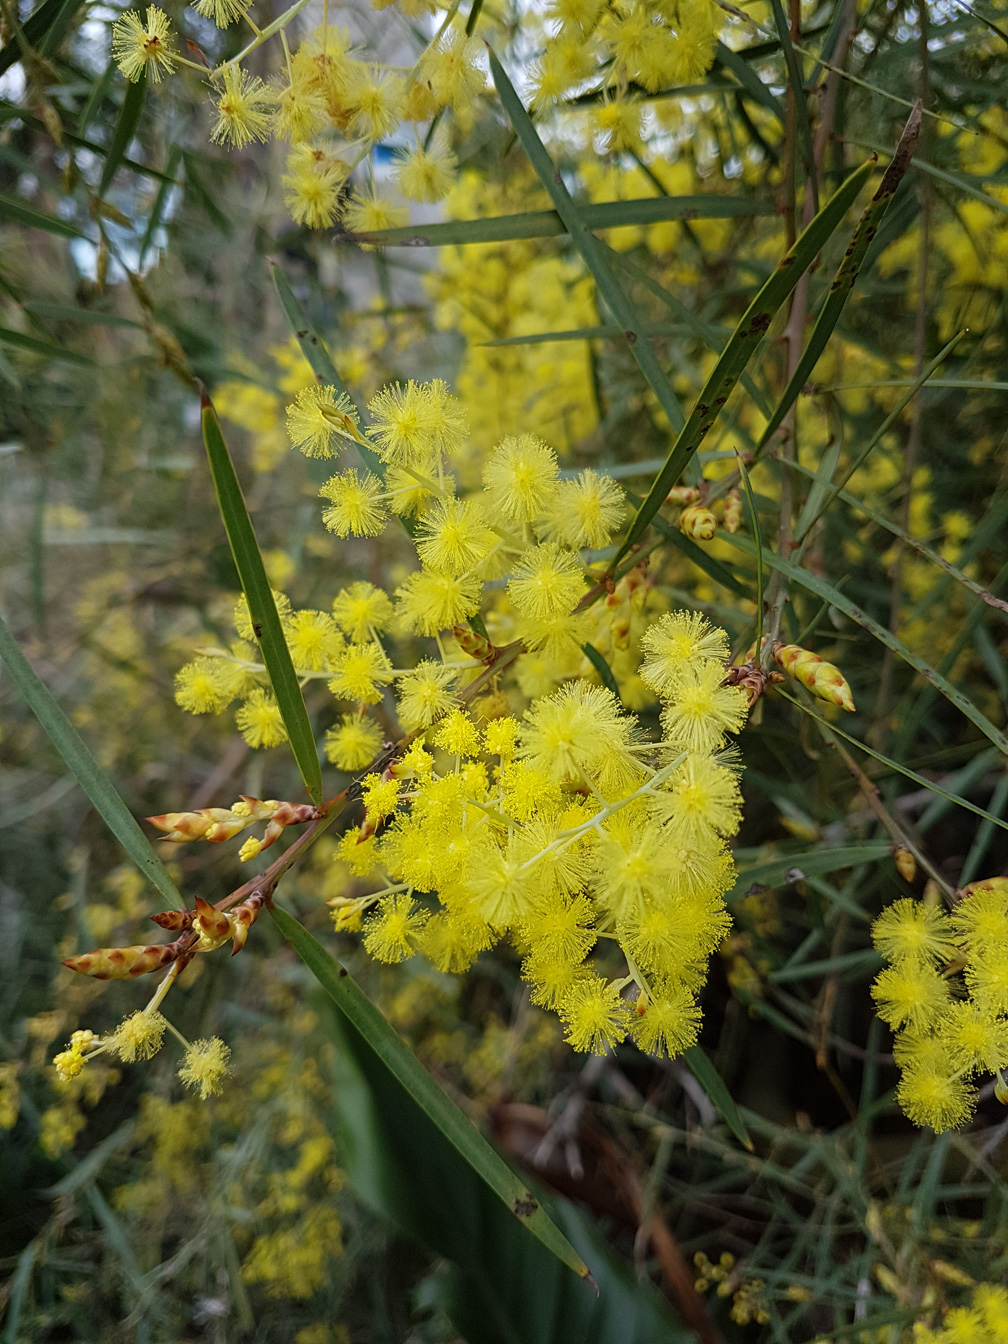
(99, 92)
(129, 116)
(822, 480)
(713, 1084)
(39, 347)
(262, 609)
(66, 312)
(602, 668)
(591, 250)
(550, 223)
(92, 778)
(876, 438)
(161, 200)
(904, 770)
(742, 346)
(314, 350)
(906, 537)
(361, 1014)
(852, 964)
(43, 29)
(843, 282)
(312, 345)
(16, 212)
(783, 868)
(836, 599)
(748, 79)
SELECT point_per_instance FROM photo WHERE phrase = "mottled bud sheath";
(906, 864)
(732, 511)
(212, 925)
(123, 963)
(822, 678)
(698, 523)
(683, 495)
(173, 920)
(181, 826)
(243, 917)
(476, 646)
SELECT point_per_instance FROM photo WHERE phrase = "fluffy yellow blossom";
(424, 695)
(426, 174)
(430, 602)
(243, 109)
(520, 478)
(223, 12)
(205, 1066)
(140, 47)
(391, 933)
(313, 184)
(356, 504)
(138, 1036)
(362, 610)
(548, 581)
(316, 416)
(259, 720)
(359, 673)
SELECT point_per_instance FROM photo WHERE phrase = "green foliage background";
(128, 1212)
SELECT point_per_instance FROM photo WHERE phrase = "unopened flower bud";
(905, 863)
(122, 963)
(732, 511)
(68, 1064)
(683, 495)
(822, 678)
(181, 826)
(476, 646)
(211, 925)
(251, 849)
(697, 523)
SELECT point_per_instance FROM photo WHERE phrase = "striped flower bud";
(698, 523)
(244, 916)
(211, 926)
(476, 646)
(732, 511)
(181, 826)
(123, 963)
(822, 678)
(683, 495)
(906, 864)
(173, 920)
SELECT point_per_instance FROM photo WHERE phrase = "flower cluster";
(565, 833)
(335, 105)
(945, 994)
(139, 1037)
(510, 561)
(984, 1321)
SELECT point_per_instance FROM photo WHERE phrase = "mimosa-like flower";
(223, 12)
(353, 743)
(205, 1066)
(243, 109)
(548, 581)
(390, 935)
(356, 504)
(138, 46)
(316, 416)
(520, 477)
(362, 609)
